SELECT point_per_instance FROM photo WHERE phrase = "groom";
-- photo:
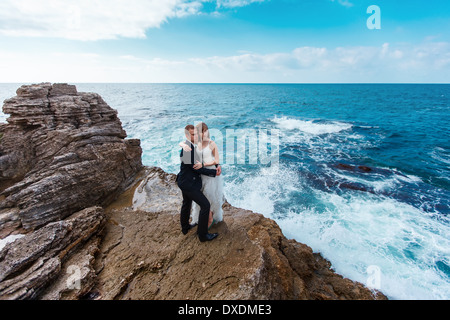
(190, 183)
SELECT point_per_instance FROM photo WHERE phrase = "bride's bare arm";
(215, 151)
(217, 160)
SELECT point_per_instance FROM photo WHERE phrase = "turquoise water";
(363, 175)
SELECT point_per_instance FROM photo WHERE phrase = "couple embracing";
(200, 182)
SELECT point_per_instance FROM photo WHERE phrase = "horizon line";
(235, 83)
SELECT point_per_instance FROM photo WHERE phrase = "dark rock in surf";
(348, 167)
(365, 168)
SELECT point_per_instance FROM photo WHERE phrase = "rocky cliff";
(95, 224)
(62, 154)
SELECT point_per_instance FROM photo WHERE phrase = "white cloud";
(344, 3)
(425, 62)
(92, 20)
(85, 19)
(235, 3)
(151, 63)
(96, 19)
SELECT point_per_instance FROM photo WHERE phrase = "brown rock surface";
(144, 255)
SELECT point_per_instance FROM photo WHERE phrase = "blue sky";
(284, 41)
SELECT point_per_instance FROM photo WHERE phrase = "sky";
(224, 41)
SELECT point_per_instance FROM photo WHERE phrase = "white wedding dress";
(212, 188)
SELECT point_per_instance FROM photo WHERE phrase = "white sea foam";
(259, 192)
(311, 127)
(441, 155)
(356, 230)
(404, 242)
(375, 181)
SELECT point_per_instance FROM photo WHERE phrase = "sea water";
(363, 172)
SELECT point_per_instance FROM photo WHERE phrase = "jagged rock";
(30, 263)
(77, 276)
(62, 153)
(58, 144)
(144, 255)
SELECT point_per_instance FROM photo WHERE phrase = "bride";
(212, 187)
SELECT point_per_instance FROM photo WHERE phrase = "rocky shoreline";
(92, 222)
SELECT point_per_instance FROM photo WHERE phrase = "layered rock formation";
(62, 154)
(63, 163)
(31, 263)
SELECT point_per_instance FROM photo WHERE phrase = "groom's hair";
(189, 127)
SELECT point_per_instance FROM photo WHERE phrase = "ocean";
(359, 172)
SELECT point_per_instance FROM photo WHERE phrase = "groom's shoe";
(185, 231)
(208, 237)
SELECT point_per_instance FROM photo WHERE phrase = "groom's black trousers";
(202, 201)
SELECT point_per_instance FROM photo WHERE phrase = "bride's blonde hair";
(202, 127)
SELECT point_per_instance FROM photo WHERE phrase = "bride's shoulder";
(212, 144)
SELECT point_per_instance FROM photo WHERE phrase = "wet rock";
(348, 167)
(344, 166)
(365, 168)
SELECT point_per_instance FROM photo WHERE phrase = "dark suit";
(190, 183)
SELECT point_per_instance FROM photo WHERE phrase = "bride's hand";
(198, 165)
